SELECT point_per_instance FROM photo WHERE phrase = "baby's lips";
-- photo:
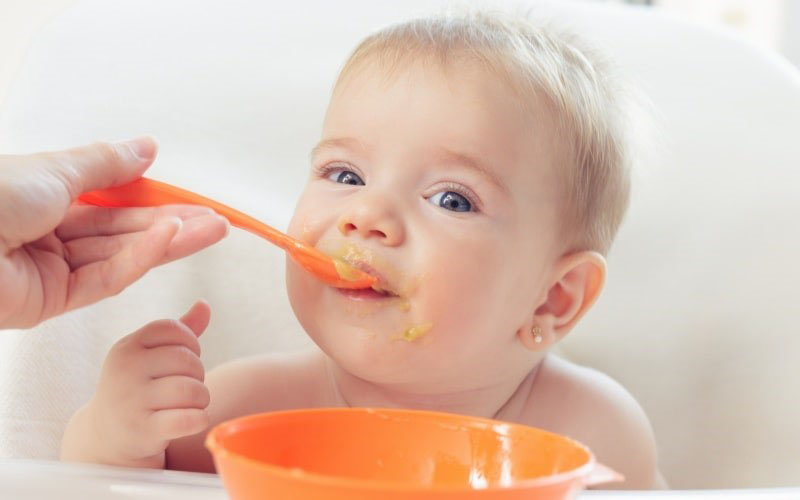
(381, 284)
(364, 259)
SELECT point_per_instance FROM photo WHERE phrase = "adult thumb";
(101, 165)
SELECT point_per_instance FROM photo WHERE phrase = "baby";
(478, 167)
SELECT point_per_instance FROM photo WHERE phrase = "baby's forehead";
(468, 97)
(456, 74)
(388, 67)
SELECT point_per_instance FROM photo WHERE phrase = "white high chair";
(698, 319)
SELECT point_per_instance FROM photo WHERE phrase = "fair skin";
(56, 255)
(443, 187)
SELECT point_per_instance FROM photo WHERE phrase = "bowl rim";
(213, 444)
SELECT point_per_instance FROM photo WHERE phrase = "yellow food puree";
(344, 270)
(415, 332)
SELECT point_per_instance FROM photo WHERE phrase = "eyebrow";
(337, 143)
(453, 157)
(444, 155)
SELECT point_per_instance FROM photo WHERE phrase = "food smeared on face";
(350, 256)
(345, 270)
(391, 285)
(415, 332)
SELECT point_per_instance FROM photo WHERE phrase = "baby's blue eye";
(450, 200)
(346, 177)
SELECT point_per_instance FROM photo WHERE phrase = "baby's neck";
(505, 401)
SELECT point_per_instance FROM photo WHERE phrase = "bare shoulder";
(596, 410)
(267, 382)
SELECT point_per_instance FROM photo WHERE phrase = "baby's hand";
(150, 392)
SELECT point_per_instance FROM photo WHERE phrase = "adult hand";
(56, 255)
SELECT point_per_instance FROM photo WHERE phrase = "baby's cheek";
(302, 291)
(309, 224)
(457, 275)
(451, 300)
(466, 294)
(295, 225)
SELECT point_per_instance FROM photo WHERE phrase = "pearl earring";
(537, 334)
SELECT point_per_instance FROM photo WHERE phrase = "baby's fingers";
(164, 361)
(177, 391)
(177, 423)
(197, 317)
(168, 332)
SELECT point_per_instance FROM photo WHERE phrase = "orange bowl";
(387, 454)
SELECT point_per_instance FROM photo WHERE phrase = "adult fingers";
(99, 280)
(99, 165)
(196, 233)
(83, 221)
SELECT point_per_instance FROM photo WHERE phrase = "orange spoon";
(149, 193)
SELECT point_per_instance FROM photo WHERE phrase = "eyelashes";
(448, 195)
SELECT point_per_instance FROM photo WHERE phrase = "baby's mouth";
(382, 289)
(389, 284)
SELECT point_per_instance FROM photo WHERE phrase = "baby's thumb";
(197, 317)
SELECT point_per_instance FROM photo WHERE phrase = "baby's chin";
(380, 357)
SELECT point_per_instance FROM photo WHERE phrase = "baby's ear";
(576, 283)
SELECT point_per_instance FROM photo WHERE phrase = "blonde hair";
(545, 67)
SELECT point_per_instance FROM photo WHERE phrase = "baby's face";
(443, 188)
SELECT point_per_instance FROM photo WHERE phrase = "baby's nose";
(369, 221)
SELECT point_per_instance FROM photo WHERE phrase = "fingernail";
(227, 226)
(142, 148)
